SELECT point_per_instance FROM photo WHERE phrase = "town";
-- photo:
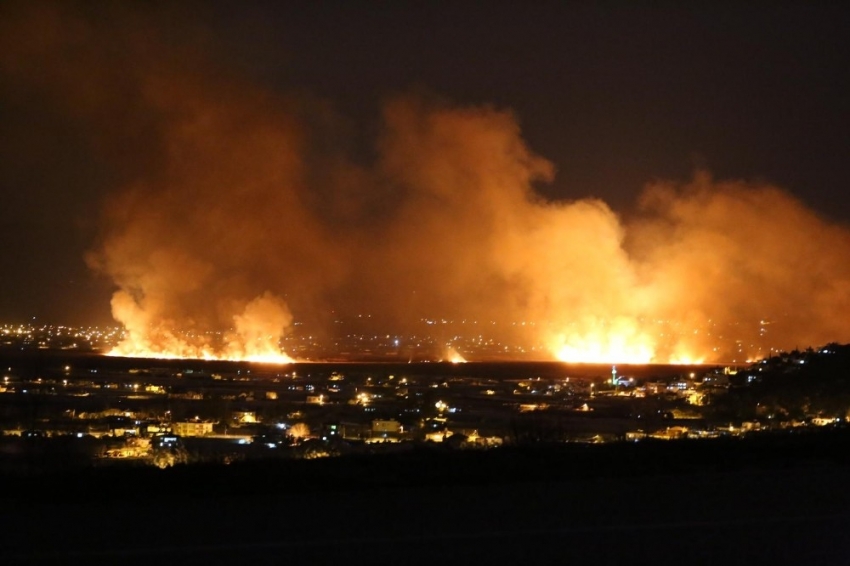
(64, 408)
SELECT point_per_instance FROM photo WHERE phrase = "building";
(391, 426)
(192, 428)
(244, 417)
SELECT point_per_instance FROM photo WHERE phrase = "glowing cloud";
(453, 356)
(237, 209)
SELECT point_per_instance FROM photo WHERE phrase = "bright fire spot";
(622, 340)
(454, 357)
(255, 335)
(617, 352)
(603, 354)
(189, 353)
(270, 358)
(604, 347)
(686, 360)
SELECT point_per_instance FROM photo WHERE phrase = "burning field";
(241, 209)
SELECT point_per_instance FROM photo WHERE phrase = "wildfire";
(687, 360)
(255, 335)
(454, 357)
(602, 353)
(614, 349)
(186, 352)
(620, 341)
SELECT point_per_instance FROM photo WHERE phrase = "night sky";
(615, 95)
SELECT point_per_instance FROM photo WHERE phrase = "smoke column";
(237, 209)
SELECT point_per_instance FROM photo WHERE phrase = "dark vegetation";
(425, 465)
(791, 385)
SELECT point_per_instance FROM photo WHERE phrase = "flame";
(686, 360)
(184, 351)
(254, 338)
(620, 341)
(454, 356)
(614, 347)
(604, 352)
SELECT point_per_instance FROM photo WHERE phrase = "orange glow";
(621, 341)
(454, 357)
(604, 352)
(255, 337)
(686, 360)
(624, 340)
(703, 269)
(187, 352)
(615, 351)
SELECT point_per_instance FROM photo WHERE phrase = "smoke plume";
(237, 209)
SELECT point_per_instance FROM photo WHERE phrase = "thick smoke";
(235, 214)
(735, 253)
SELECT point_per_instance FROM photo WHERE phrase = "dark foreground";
(776, 517)
(777, 500)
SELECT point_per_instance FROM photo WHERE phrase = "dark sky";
(614, 94)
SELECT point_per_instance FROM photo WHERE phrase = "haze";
(229, 203)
